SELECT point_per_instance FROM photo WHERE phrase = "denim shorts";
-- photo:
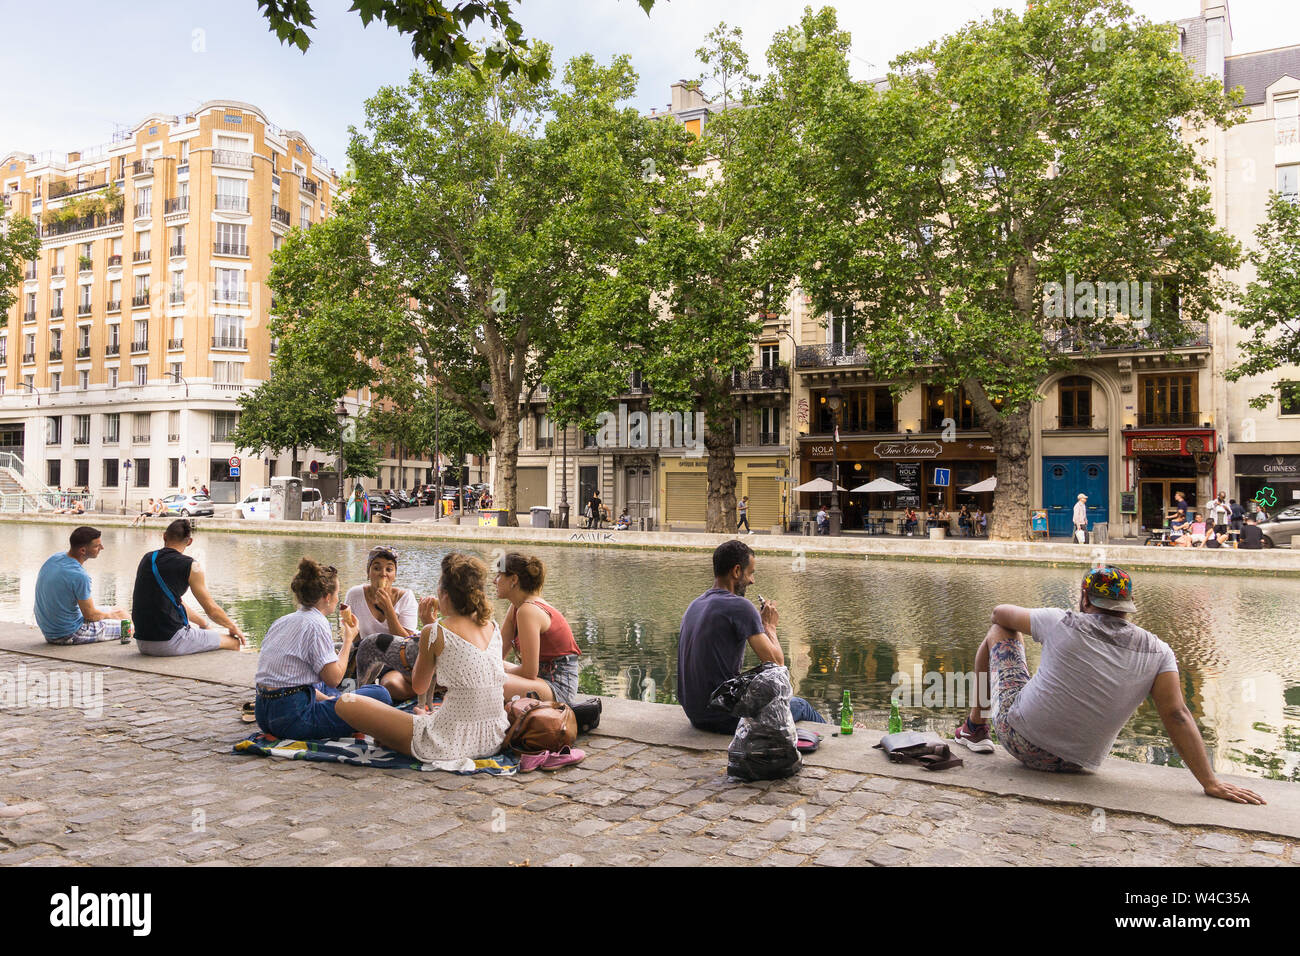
(561, 675)
(1010, 675)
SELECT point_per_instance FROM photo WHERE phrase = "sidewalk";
(152, 781)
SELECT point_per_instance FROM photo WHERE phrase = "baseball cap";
(1110, 589)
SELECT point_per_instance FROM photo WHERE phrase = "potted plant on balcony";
(113, 199)
(85, 262)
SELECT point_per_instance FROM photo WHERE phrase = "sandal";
(565, 757)
(247, 714)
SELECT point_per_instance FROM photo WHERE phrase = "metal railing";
(56, 271)
(138, 347)
(56, 355)
(142, 255)
(83, 351)
(29, 316)
(84, 308)
(1192, 335)
(232, 157)
(769, 438)
(111, 350)
(141, 167)
(828, 355)
(309, 185)
(757, 378)
(277, 215)
(115, 305)
(143, 210)
(139, 439)
(231, 203)
(176, 204)
(57, 312)
(178, 250)
(139, 300)
(230, 342)
(31, 271)
(82, 224)
(174, 344)
(114, 261)
(231, 296)
(1165, 419)
(176, 298)
(29, 357)
(229, 249)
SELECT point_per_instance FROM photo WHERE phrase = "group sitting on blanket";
(457, 640)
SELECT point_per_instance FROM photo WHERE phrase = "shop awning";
(881, 486)
(988, 484)
(819, 484)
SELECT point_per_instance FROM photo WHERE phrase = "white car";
(258, 505)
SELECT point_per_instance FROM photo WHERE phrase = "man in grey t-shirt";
(1096, 668)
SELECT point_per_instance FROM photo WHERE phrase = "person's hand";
(769, 615)
(120, 613)
(1233, 793)
(322, 697)
(419, 710)
(384, 600)
(428, 610)
(239, 635)
(348, 629)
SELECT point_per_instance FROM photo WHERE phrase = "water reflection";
(845, 624)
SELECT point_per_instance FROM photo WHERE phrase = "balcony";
(176, 251)
(113, 349)
(82, 224)
(29, 358)
(81, 440)
(83, 351)
(31, 272)
(58, 190)
(115, 305)
(86, 265)
(230, 297)
(176, 298)
(110, 439)
(224, 436)
(230, 203)
(56, 312)
(232, 157)
(142, 255)
(29, 316)
(138, 301)
(53, 439)
(114, 261)
(309, 185)
(761, 378)
(177, 204)
(139, 439)
(56, 271)
(230, 342)
(828, 355)
(1192, 335)
(173, 437)
(141, 167)
(84, 308)
(229, 249)
(277, 215)
(56, 355)
(1168, 419)
(229, 387)
(769, 438)
(143, 210)
(138, 348)
(175, 344)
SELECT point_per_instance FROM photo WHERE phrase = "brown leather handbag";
(539, 725)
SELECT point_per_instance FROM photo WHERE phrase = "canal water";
(844, 624)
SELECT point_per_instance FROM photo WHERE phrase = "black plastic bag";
(766, 743)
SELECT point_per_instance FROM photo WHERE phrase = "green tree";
(292, 410)
(684, 310)
(1270, 307)
(1016, 152)
(472, 225)
(437, 31)
(19, 244)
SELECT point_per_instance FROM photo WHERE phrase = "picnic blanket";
(362, 751)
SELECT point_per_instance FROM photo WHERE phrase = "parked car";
(1281, 529)
(187, 505)
(379, 505)
(313, 506)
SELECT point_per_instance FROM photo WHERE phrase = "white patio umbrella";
(988, 484)
(819, 484)
(881, 486)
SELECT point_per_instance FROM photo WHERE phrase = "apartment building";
(145, 316)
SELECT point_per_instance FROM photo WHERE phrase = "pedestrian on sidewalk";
(743, 510)
(1096, 668)
(1081, 519)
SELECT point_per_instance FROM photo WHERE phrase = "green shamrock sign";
(1266, 496)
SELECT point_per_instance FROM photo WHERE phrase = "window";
(588, 440)
(142, 285)
(1167, 399)
(940, 405)
(769, 356)
(56, 302)
(56, 381)
(228, 373)
(56, 340)
(837, 326)
(83, 379)
(174, 372)
(3, 381)
(141, 473)
(144, 202)
(83, 300)
(1288, 398)
(545, 432)
(232, 194)
(178, 241)
(140, 424)
(115, 294)
(53, 476)
(112, 423)
(769, 426)
(230, 284)
(1288, 182)
(29, 346)
(173, 472)
(81, 430)
(140, 335)
(114, 336)
(229, 331)
(141, 374)
(54, 430)
(223, 423)
(1288, 120)
(232, 240)
(110, 472)
(1076, 402)
(83, 337)
(29, 310)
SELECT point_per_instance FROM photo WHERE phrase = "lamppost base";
(562, 516)
(834, 516)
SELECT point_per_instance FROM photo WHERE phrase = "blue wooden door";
(1064, 479)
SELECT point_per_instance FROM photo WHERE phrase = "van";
(312, 505)
(256, 505)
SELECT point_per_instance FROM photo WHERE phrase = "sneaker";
(977, 739)
(530, 762)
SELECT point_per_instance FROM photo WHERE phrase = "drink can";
(126, 631)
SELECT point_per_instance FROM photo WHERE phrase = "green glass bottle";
(895, 719)
(846, 715)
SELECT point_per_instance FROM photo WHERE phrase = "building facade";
(145, 316)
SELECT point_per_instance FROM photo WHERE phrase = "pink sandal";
(531, 762)
(563, 758)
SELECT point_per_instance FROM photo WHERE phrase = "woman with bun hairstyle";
(539, 634)
(298, 651)
(465, 647)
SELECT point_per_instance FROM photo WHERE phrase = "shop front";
(1159, 464)
(934, 472)
(1272, 480)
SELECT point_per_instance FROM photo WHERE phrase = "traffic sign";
(315, 467)
(234, 461)
(234, 471)
(941, 477)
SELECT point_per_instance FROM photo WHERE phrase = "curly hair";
(313, 582)
(530, 571)
(463, 578)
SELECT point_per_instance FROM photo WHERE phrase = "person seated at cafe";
(298, 658)
(823, 521)
(964, 522)
(1194, 535)
(979, 521)
(910, 521)
(1252, 538)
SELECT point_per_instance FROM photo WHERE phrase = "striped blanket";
(362, 751)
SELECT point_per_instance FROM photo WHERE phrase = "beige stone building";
(145, 316)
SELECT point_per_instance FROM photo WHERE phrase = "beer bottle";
(895, 719)
(846, 715)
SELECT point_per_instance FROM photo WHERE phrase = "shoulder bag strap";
(153, 561)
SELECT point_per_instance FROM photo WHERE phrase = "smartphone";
(762, 602)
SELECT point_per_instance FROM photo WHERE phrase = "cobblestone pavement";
(152, 781)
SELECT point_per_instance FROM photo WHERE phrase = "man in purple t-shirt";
(716, 628)
(1096, 668)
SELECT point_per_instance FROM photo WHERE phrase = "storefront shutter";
(687, 498)
(764, 502)
(530, 488)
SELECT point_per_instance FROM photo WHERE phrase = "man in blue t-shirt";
(715, 631)
(65, 611)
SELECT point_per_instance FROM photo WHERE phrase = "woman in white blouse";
(387, 618)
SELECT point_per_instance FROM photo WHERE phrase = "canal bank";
(1272, 562)
(151, 694)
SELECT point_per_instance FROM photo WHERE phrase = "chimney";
(74, 157)
(686, 96)
(1218, 35)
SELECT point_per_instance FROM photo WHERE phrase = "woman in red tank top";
(539, 635)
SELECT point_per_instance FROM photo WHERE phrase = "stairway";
(18, 493)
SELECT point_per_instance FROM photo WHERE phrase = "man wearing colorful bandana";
(1096, 668)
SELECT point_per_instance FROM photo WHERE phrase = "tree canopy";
(20, 244)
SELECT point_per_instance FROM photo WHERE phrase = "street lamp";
(126, 487)
(835, 401)
(177, 376)
(341, 413)
(33, 391)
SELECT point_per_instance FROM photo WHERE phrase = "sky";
(100, 66)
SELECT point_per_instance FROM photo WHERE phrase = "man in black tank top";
(164, 625)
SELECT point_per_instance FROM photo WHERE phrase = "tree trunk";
(720, 442)
(1010, 518)
(506, 446)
